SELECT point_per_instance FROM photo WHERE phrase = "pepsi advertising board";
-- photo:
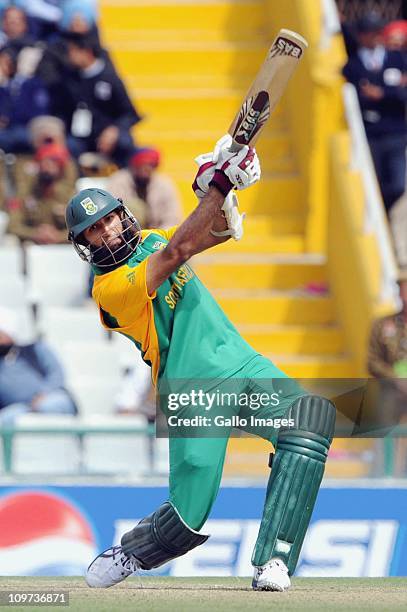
(57, 531)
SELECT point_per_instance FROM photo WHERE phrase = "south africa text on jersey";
(183, 275)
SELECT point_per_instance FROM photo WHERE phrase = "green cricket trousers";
(196, 463)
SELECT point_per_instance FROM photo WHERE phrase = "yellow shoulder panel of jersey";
(165, 233)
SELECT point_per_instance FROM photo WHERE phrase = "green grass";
(151, 594)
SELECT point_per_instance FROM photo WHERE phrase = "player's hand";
(107, 139)
(236, 170)
(207, 165)
(226, 161)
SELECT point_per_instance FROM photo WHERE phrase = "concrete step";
(266, 307)
(240, 17)
(314, 366)
(263, 225)
(206, 113)
(226, 64)
(119, 36)
(251, 244)
(230, 271)
(137, 81)
(277, 195)
(294, 339)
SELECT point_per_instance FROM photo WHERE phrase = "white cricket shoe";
(273, 576)
(110, 567)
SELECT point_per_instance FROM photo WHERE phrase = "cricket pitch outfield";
(153, 594)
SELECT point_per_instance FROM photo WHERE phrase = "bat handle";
(235, 147)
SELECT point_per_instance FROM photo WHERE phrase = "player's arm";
(193, 236)
(238, 170)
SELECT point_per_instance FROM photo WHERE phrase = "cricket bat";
(267, 88)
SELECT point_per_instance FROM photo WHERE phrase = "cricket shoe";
(272, 576)
(110, 567)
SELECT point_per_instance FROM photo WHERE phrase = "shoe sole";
(269, 587)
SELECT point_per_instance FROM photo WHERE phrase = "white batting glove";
(223, 144)
(236, 170)
(204, 175)
(234, 219)
(207, 165)
(241, 168)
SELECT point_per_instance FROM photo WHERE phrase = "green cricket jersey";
(180, 329)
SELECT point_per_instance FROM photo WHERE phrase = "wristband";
(221, 182)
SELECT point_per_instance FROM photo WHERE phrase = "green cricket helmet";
(84, 210)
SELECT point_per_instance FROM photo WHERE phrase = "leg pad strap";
(160, 537)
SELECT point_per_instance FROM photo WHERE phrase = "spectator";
(379, 76)
(15, 28)
(37, 212)
(17, 33)
(348, 33)
(387, 361)
(78, 17)
(150, 195)
(21, 99)
(46, 129)
(31, 377)
(45, 16)
(95, 105)
(395, 36)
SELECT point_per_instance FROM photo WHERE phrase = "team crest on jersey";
(131, 277)
(89, 206)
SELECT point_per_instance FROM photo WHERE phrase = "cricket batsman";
(145, 290)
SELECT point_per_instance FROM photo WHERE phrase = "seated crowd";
(64, 112)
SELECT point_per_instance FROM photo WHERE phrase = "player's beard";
(110, 256)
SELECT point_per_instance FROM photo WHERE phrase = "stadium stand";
(42, 453)
(59, 324)
(11, 260)
(55, 275)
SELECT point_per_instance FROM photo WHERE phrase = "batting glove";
(234, 219)
(207, 166)
(226, 169)
(234, 169)
(204, 175)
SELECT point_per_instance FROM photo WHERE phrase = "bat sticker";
(283, 46)
(253, 114)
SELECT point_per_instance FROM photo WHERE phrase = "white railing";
(330, 23)
(375, 220)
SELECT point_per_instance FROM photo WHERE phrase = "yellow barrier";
(314, 107)
(354, 266)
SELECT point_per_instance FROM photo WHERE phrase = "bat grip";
(235, 147)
